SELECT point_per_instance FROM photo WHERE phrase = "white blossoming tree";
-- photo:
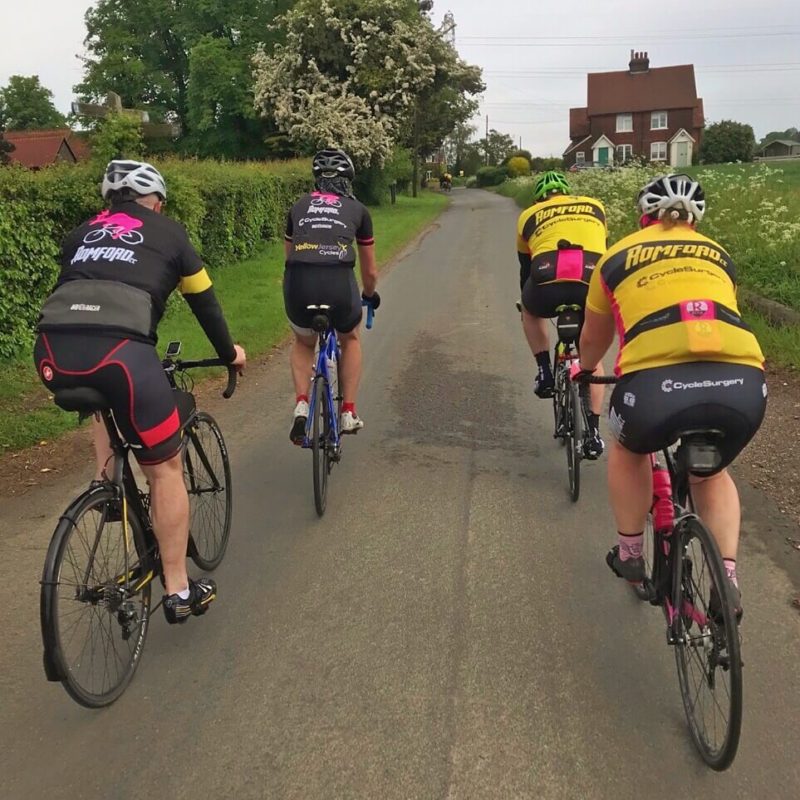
(351, 73)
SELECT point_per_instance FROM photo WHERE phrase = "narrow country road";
(449, 630)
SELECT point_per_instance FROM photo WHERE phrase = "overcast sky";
(747, 61)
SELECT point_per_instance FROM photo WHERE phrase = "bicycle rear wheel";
(574, 440)
(707, 649)
(207, 472)
(320, 450)
(95, 604)
(560, 402)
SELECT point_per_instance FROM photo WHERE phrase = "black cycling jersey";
(136, 246)
(322, 228)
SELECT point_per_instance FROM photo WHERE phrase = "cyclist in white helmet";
(122, 265)
(687, 361)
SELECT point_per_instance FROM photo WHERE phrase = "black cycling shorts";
(335, 286)
(649, 409)
(543, 299)
(129, 375)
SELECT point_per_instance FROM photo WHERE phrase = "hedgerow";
(228, 209)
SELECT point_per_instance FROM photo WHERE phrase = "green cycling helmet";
(550, 182)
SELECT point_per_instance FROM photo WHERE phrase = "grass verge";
(252, 297)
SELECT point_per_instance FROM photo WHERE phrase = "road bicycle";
(569, 399)
(323, 435)
(95, 600)
(685, 577)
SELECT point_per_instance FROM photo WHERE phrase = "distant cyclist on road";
(323, 231)
(98, 330)
(687, 361)
(560, 239)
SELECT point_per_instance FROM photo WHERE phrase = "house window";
(580, 157)
(658, 121)
(624, 152)
(624, 123)
(658, 151)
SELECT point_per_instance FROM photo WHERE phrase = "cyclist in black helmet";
(324, 230)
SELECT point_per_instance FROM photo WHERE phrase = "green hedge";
(491, 176)
(228, 209)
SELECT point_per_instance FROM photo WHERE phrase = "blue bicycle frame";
(328, 349)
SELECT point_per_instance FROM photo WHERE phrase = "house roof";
(34, 149)
(787, 142)
(661, 88)
(579, 123)
(575, 143)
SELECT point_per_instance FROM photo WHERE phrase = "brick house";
(653, 114)
(37, 149)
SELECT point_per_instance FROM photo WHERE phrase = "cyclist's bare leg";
(102, 447)
(302, 360)
(630, 487)
(350, 368)
(535, 332)
(170, 516)
(716, 501)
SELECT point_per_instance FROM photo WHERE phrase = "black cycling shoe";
(544, 385)
(632, 570)
(201, 594)
(593, 446)
(715, 609)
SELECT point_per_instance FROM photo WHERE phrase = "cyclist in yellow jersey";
(560, 238)
(686, 361)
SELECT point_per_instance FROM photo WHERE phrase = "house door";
(682, 157)
(602, 155)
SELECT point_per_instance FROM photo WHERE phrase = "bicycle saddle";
(568, 325)
(83, 400)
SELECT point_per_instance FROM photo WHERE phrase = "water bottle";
(663, 511)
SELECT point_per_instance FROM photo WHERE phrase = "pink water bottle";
(663, 511)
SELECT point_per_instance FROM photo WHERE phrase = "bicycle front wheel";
(560, 403)
(207, 472)
(574, 440)
(95, 599)
(320, 449)
(707, 649)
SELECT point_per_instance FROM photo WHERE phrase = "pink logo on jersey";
(697, 309)
(117, 224)
(327, 199)
(47, 373)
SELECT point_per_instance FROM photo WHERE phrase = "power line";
(573, 72)
(627, 37)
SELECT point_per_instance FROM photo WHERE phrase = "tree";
(188, 62)
(496, 147)
(27, 105)
(116, 136)
(364, 75)
(5, 147)
(727, 141)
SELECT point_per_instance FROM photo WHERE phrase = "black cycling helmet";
(333, 164)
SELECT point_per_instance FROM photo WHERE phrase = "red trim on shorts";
(161, 432)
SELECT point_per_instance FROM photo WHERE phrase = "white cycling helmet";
(139, 176)
(673, 193)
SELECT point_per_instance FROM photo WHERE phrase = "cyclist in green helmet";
(560, 238)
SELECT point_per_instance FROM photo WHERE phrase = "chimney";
(639, 63)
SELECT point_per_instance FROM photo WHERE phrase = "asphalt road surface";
(449, 630)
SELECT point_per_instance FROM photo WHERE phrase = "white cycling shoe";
(350, 422)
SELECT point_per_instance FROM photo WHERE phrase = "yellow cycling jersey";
(672, 292)
(581, 221)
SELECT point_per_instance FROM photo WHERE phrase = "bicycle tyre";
(320, 431)
(559, 403)
(57, 638)
(207, 472)
(574, 441)
(719, 641)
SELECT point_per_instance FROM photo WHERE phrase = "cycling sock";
(594, 421)
(630, 545)
(351, 407)
(184, 594)
(543, 361)
(730, 571)
(302, 398)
